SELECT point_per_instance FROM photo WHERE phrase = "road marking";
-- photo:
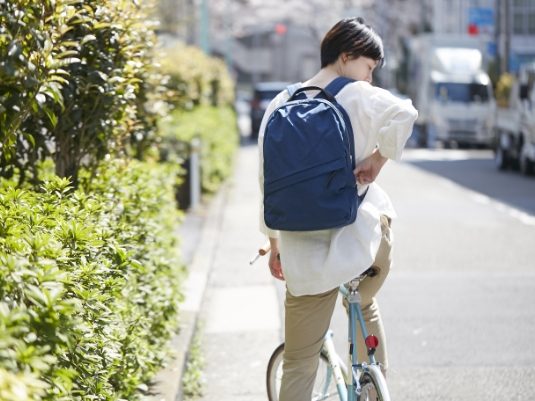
(516, 214)
(444, 154)
(239, 309)
(428, 154)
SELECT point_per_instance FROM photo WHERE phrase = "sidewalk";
(234, 304)
(240, 322)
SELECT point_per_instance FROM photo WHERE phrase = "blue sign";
(481, 16)
(491, 49)
(514, 62)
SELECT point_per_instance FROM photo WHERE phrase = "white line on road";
(427, 154)
(517, 214)
(444, 154)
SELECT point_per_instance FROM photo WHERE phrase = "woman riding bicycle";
(315, 263)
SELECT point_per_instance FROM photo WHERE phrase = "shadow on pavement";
(481, 175)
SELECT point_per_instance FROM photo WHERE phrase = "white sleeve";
(263, 228)
(390, 118)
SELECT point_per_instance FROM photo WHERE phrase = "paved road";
(459, 303)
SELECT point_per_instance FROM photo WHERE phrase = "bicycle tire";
(324, 385)
(373, 385)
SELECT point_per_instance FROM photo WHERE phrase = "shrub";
(89, 284)
(196, 79)
(201, 94)
(77, 81)
(89, 278)
(217, 129)
(32, 61)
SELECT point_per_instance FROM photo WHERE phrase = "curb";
(167, 384)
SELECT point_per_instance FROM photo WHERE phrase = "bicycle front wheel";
(324, 386)
(373, 385)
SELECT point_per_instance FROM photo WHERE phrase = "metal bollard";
(195, 173)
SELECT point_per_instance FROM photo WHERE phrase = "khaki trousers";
(307, 320)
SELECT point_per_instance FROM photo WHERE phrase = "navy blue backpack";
(309, 158)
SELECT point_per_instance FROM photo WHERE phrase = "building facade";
(521, 29)
(279, 39)
(506, 26)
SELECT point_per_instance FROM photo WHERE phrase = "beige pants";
(307, 321)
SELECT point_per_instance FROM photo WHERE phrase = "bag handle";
(327, 95)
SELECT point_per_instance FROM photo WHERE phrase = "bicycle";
(363, 382)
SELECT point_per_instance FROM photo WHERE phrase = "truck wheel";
(501, 158)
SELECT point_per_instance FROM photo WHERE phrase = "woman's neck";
(323, 77)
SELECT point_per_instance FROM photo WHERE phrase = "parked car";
(263, 94)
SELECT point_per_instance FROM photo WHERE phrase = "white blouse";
(314, 262)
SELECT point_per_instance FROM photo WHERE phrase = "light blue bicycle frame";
(349, 386)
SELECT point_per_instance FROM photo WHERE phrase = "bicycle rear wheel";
(373, 385)
(324, 386)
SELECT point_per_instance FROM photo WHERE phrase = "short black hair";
(353, 37)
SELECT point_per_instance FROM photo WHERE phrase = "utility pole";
(205, 27)
(255, 50)
(504, 35)
(228, 30)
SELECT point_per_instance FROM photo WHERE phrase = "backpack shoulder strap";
(294, 87)
(333, 89)
(337, 85)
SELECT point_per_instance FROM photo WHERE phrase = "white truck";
(514, 125)
(451, 90)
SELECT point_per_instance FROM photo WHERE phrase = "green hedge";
(217, 129)
(89, 276)
(89, 284)
(196, 79)
(78, 81)
(201, 99)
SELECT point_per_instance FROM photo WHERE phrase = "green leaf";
(30, 138)
(51, 117)
(59, 79)
(101, 25)
(14, 49)
(40, 98)
(88, 38)
(68, 53)
(36, 295)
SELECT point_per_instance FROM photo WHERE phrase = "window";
(465, 93)
(518, 23)
(521, 3)
(531, 23)
(523, 17)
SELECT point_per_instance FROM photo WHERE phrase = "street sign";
(481, 20)
(481, 16)
(491, 49)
